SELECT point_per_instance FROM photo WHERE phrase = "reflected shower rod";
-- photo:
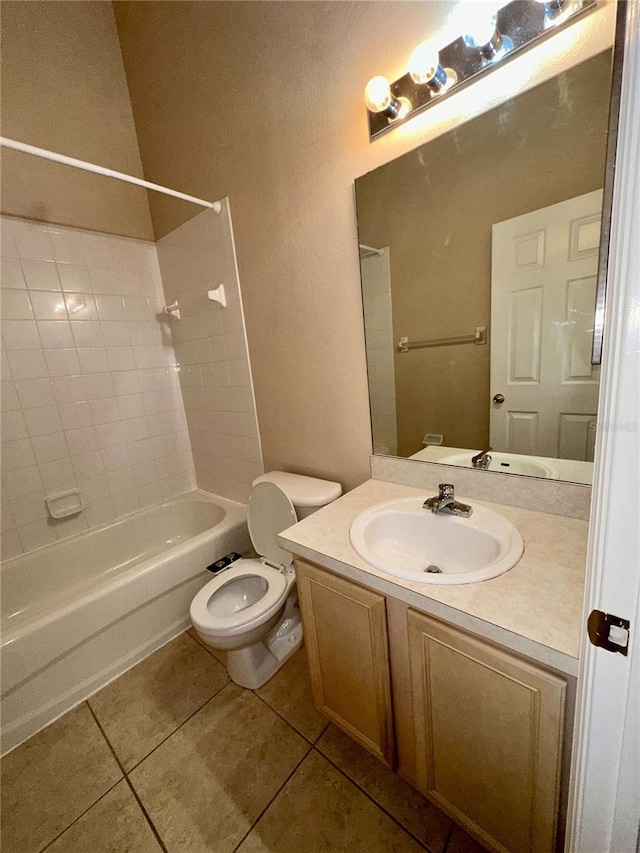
(23, 147)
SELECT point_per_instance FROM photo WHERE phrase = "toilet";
(250, 609)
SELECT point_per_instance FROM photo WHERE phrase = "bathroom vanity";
(467, 690)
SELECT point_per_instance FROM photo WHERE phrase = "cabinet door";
(488, 729)
(345, 630)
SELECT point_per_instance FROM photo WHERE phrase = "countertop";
(534, 609)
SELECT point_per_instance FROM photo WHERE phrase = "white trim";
(604, 808)
(14, 145)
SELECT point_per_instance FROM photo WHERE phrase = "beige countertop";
(535, 608)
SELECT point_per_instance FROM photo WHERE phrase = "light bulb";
(425, 69)
(481, 30)
(377, 95)
(554, 9)
(423, 63)
(378, 98)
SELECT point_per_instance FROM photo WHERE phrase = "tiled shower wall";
(211, 351)
(90, 397)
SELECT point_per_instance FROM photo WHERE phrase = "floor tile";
(395, 795)
(289, 693)
(319, 810)
(462, 843)
(218, 655)
(145, 705)
(114, 825)
(205, 786)
(54, 777)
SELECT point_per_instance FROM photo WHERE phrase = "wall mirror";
(479, 261)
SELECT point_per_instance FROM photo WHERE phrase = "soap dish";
(64, 504)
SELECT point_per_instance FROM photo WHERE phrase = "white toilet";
(250, 609)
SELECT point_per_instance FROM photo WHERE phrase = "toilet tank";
(307, 494)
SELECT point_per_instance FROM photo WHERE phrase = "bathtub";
(77, 614)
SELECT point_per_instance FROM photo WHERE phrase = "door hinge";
(609, 632)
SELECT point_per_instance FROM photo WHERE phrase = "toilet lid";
(247, 592)
(270, 511)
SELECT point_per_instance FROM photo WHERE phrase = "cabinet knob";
(498, 398)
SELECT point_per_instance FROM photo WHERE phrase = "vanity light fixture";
(488, 41)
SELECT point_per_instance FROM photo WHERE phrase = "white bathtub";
(77, 614)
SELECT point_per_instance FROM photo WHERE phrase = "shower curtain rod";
(14, 145)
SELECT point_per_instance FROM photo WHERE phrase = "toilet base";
(254, 665)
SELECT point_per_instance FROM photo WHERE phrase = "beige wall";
(435, 208)
(64, 89)
(263, 102)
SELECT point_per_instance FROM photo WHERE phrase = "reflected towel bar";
(479, 338)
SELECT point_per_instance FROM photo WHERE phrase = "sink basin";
(509, 463)
(402, 539)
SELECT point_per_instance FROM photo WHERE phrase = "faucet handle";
(445, 491)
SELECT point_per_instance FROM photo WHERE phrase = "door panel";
(543, 283)
(345, 629)
(489, 731)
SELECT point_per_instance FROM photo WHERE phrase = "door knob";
(498, 398)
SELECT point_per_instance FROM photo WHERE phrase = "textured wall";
(64, 89)
(262, 102)
(90, 397)
(211, 353)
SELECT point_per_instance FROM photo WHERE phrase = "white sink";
(508, 463)
(402, 539)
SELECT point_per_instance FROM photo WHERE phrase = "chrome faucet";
(482, 459)
(446, 502)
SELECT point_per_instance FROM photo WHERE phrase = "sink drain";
(433, 570)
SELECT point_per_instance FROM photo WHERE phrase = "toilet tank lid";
(303, 491)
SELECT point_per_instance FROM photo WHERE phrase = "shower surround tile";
(81, 333)
(211, 353)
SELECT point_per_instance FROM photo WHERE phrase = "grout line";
(378, 805)
(101, 797)
(186, 720)
(104, 735)
(128, 781)
(204, 646)
(273, 799)
(283, 718)
(146, 815)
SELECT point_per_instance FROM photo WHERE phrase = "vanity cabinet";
(488, 729)
(478, 729)
(345, 629)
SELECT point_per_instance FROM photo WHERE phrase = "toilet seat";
(220, 608)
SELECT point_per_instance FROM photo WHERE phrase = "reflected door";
(543, 285)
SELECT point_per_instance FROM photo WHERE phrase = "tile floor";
(174, 757)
